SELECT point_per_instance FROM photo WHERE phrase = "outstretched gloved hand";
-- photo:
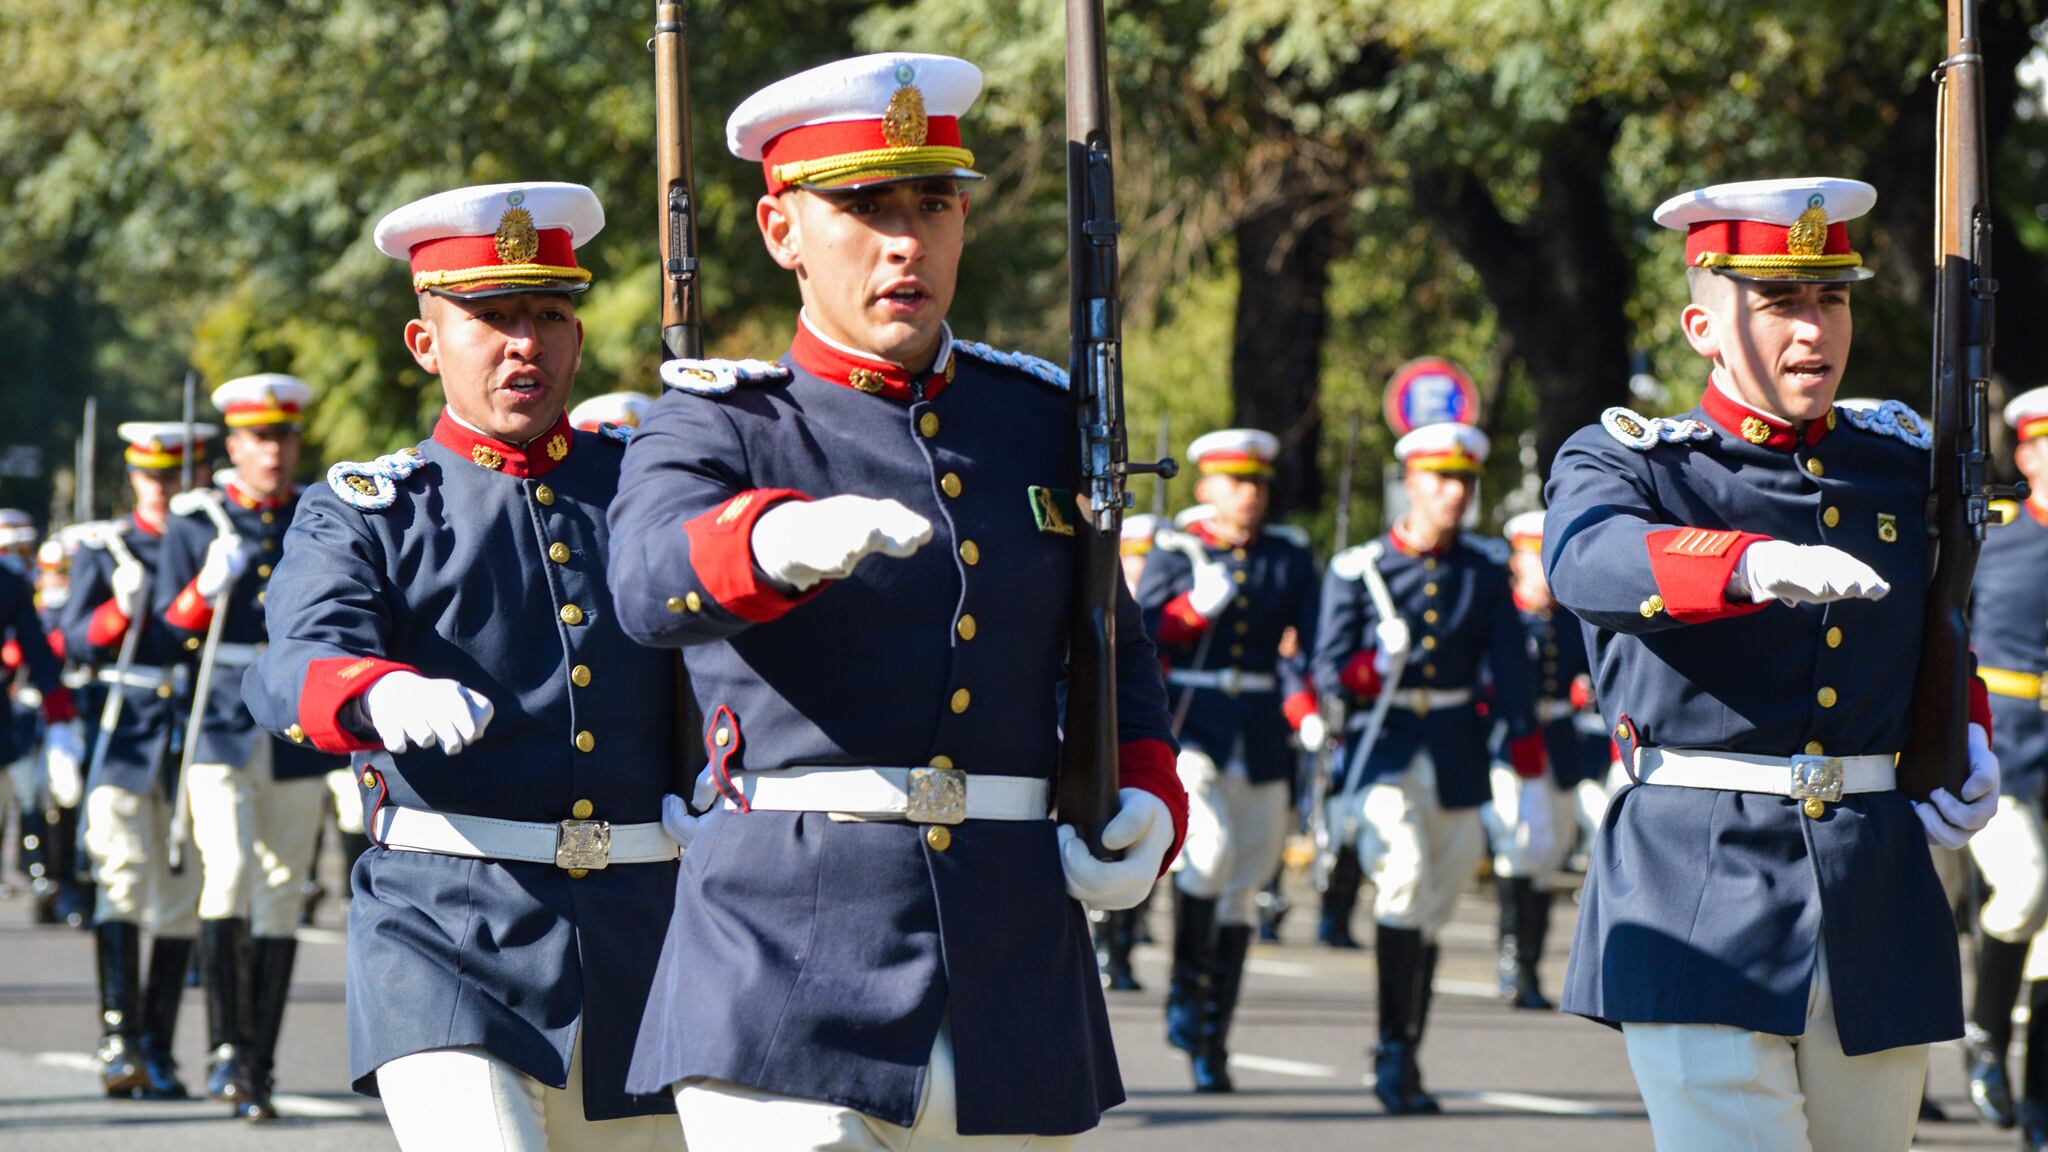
(1213, 590)
(410, 711)
(799, 543)
(1951, 821)
(1143, 830)
(1802, 574)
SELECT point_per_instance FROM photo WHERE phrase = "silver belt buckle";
(585, 844)
(1817, 778)
(935, 796)
(1229, 682)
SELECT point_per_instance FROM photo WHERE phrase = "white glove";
(127, 581)
(676, 819)
(225, 561)
(1314, 733)
(799, 543)
(64, 762)
(1802, 574)
(1950, 822)
(410, 711)
(1144, 828)
(1393, 639)
(1213, 590)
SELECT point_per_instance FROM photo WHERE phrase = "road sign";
(1430, 390)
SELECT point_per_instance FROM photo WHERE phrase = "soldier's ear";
(776, 217)
(421, 341)
(1702, 330)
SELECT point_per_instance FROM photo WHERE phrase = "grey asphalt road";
(1510, 1080)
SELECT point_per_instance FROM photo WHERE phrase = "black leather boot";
(1532, 917)
(2032, 1111)
(169, 957)
(1507, 893)
(1273, 908)
(225, 944)
(1114, 937)
(74, 900)
(270, 972)
(42, 887)
(1420, 1102)
(1194, 946)
(1340, 896)
(1398, 953)
(1988, 1033)
(118, 946)
(1226, 977)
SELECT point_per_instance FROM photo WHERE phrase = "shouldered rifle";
(1088, 771)
(1936, 753)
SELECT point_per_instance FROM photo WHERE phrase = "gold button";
(961, 700)
(1429, 671)
(558, 552)
(1826, 696)
(1550, 649)
(192, 644)
(163, 691)
(544, 494)
(1241, 603)
(585, 741)
(1237, 553)
(1429, 589)
(1834, 637)
(1652, 606)
(263, 570)
(571, 614)
(675, 603)
(1831, 517)
(1621, 731)
(950, 483)
(1550, 667)
(1238, 576)
(722, 737)
(1429, 564)
(939, 837)
(1813, 747)
(268, 545)
(260, 597)
(1813, 466)
(942, 762)
(693, 602)
(1237, 649)
(580, 675)
(578, 873)
(928, 424)
(1429, 616)
(270, 517)
(970, 553)
(1429, 643)
(1815, 807)
(296, 734)
(369, 779)
(582, 809)
(966, 627)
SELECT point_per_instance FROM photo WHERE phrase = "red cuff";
(1980, 706)
(329, 686)
(56, 640)
(107, 625)
(1582, 692)
(58, 707)
(722, 554)
(1691, 567)
(189, 611)
(1359, 677)
(1148, 764)
(1298, 707)
(1179, 623)
(1526, 755)
(10, 655)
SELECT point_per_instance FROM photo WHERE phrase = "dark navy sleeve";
(90, 590)
(1162, 594)
(172, 596)
(1616, 558)
(1341, 660)
(1507, 659)
(45, 671)
(1141, 691)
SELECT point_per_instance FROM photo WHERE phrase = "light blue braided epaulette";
(1023, 362)
(1892, 418)
(1643, 433)
(718, 377)
(623, 433)
(373, 486)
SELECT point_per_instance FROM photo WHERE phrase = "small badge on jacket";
(1050, 508)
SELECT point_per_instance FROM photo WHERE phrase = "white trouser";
(1418, 853)
(1594, 796)
(1236, 830)
(1710, 1088)
(467, 1100)
(348, 802)
(1526, 844)
(720, 1116)
(126, 836)
(255, 841)
(2015, 865)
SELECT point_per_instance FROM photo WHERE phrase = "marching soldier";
(1409, 621)
(441, 616)
(866, 556)
(254, 800)
(107, 626)
(1761, 917)
(1217, 597)
(1532, 846)
(36, 706)
(2009, 632)
(619, 409)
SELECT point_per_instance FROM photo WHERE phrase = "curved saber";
(202, 684)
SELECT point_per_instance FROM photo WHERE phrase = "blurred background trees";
(1312, 195)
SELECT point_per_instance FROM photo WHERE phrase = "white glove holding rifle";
(1143, 830)
(1213, 590)
(225, 562)
(1394, 640)
(1951, 820)
(126, 581)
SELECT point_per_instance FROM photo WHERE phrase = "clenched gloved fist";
(1213, 590)
(1950, 822)
(677, 819)
(1802, 574)
(410, 711)
(1394, 640)
(225, 562)
(64, 762)
(127, 580)
(1314, 733)
(1143, 828)
(799, 543)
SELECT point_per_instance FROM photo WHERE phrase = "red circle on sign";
(1430, 390)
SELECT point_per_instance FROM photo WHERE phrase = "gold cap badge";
(1808, 235)
(517, 241)
(905, 125)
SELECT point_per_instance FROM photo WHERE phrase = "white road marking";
(1289, 968)
(1478, 988)
(1526, 1102)
(292, 1104)
(320, 936)
(72, 1061)
(1279, 1067)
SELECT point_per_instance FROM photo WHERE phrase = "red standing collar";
(253, 502)
(1201, 530)
(1747, 424)
(1408, 547)
(537, 457)
(843, 366)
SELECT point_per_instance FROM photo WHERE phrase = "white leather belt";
(1551, 711)
(236, 655)
(1228, 681)
(1826, 778)
(918, 795)
(587, 844)
(1423, 701)
(145, 676)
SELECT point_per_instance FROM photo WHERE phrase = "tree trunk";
(1284, 250)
